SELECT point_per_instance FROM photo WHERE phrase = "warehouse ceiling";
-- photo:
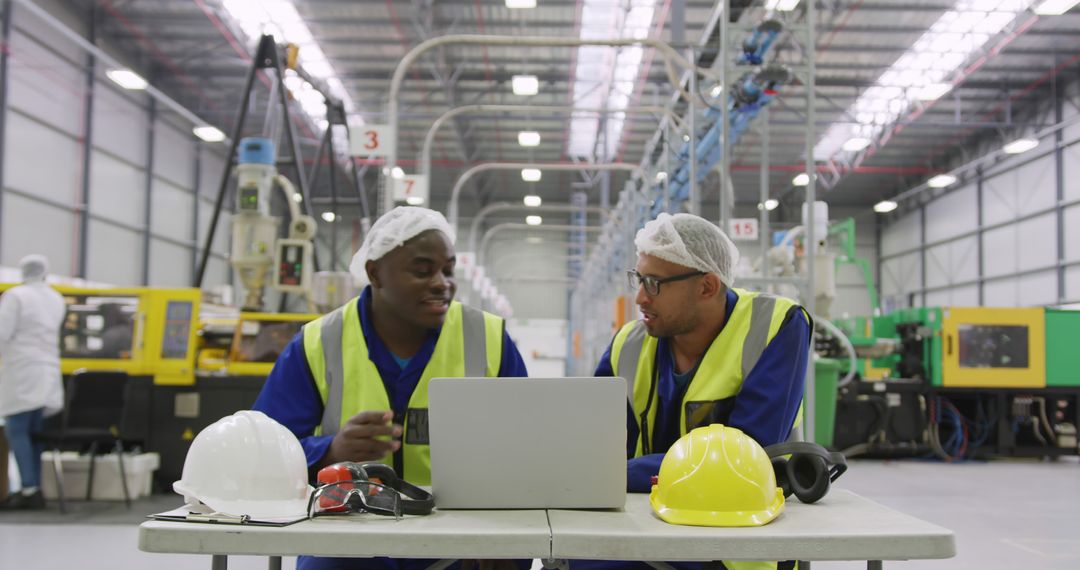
(196, 51)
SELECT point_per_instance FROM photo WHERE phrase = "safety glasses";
(355, 496)
(652, 284)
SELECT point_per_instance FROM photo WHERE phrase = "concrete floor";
(1006, 514)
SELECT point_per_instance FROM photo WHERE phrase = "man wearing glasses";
(703, 352)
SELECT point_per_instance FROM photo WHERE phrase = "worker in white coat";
(30, 382)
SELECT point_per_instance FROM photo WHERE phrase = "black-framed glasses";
(652, 284)
(354, 496)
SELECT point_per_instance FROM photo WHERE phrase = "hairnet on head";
(691, 241)
(34, 267)
(391, 231)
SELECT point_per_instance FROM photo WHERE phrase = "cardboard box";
(139, 469)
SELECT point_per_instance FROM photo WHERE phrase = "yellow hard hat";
(716, 476)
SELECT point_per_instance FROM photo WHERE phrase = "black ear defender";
(808, 471)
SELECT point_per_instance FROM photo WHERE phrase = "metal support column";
(333, 203)
(88, 138)
(811, 197)
(151, 114)
(1059, 181)
(691, 113)
(763, 212)
(979, 251)
(725, 116)
(5, 29)
(195, 207)
(922, 252)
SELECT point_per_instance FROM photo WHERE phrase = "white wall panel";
(901, 235)
(1025, 291)
(223, 235)
(172, 210)
(1071, 164)
(174, 155)
(1038, 289)
(951, 215)
(967, 296)
(120, 125)
(952, 262)
(210, 173)
(115, 255)
(46, 34)
(45, 85)
(41, 160)
(1002, 293)
(1018, 247)
(513, 258)
(29, 227)
(170, 264)
(901, 275)
(117, 189)
(1072, 283)
(1071, 228)
(1020, 191)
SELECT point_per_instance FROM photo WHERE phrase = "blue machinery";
(601, 301)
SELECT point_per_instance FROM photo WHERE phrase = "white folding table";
(843, 526)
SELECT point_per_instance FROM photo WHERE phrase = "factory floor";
(1006, 514)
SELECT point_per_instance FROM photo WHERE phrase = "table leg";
(874, 565)
(275, 563)
(219, 562)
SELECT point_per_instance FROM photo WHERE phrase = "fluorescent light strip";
(1020, 146)
(530, 174)
(280, 18)
(1055, 7)
(127, 79)
(528, 138)
(606, 76)
(922, 73)
(885, 206)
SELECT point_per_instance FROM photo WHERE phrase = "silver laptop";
(528, 443)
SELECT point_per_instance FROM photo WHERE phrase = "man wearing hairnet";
(30, 381)
(703, 352)
(353, 384)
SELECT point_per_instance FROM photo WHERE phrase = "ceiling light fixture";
(414, 200)
(533, 201)
(518, 4)
(127, 79)
(941, 181)
(329, 216)
(1055, 7)
(208, 133)
(530, 174)
(534, 220)
(397, 172)
(801, 180)
(528, 138)
(781, 5)
(771, 204)
(525, 85)
(1020, 146)
(856, 144)
(661, 176)
(716, 91)
(885, 206)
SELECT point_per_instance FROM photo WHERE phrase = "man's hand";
(367, 436)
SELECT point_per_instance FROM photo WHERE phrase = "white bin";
(139, 470)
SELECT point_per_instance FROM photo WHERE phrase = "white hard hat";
(34, 267)
(246, 464)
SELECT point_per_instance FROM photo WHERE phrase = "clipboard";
(185, 514)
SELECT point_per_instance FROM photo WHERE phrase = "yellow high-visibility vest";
(470, 344)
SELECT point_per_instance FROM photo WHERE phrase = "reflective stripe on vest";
(469, 344)
(753, 324)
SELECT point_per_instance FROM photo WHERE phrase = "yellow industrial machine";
(993, 348)
(142, 331)
(247, 345)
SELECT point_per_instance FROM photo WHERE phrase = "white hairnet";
(34, 267)
(692, 241)
(391, 231)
